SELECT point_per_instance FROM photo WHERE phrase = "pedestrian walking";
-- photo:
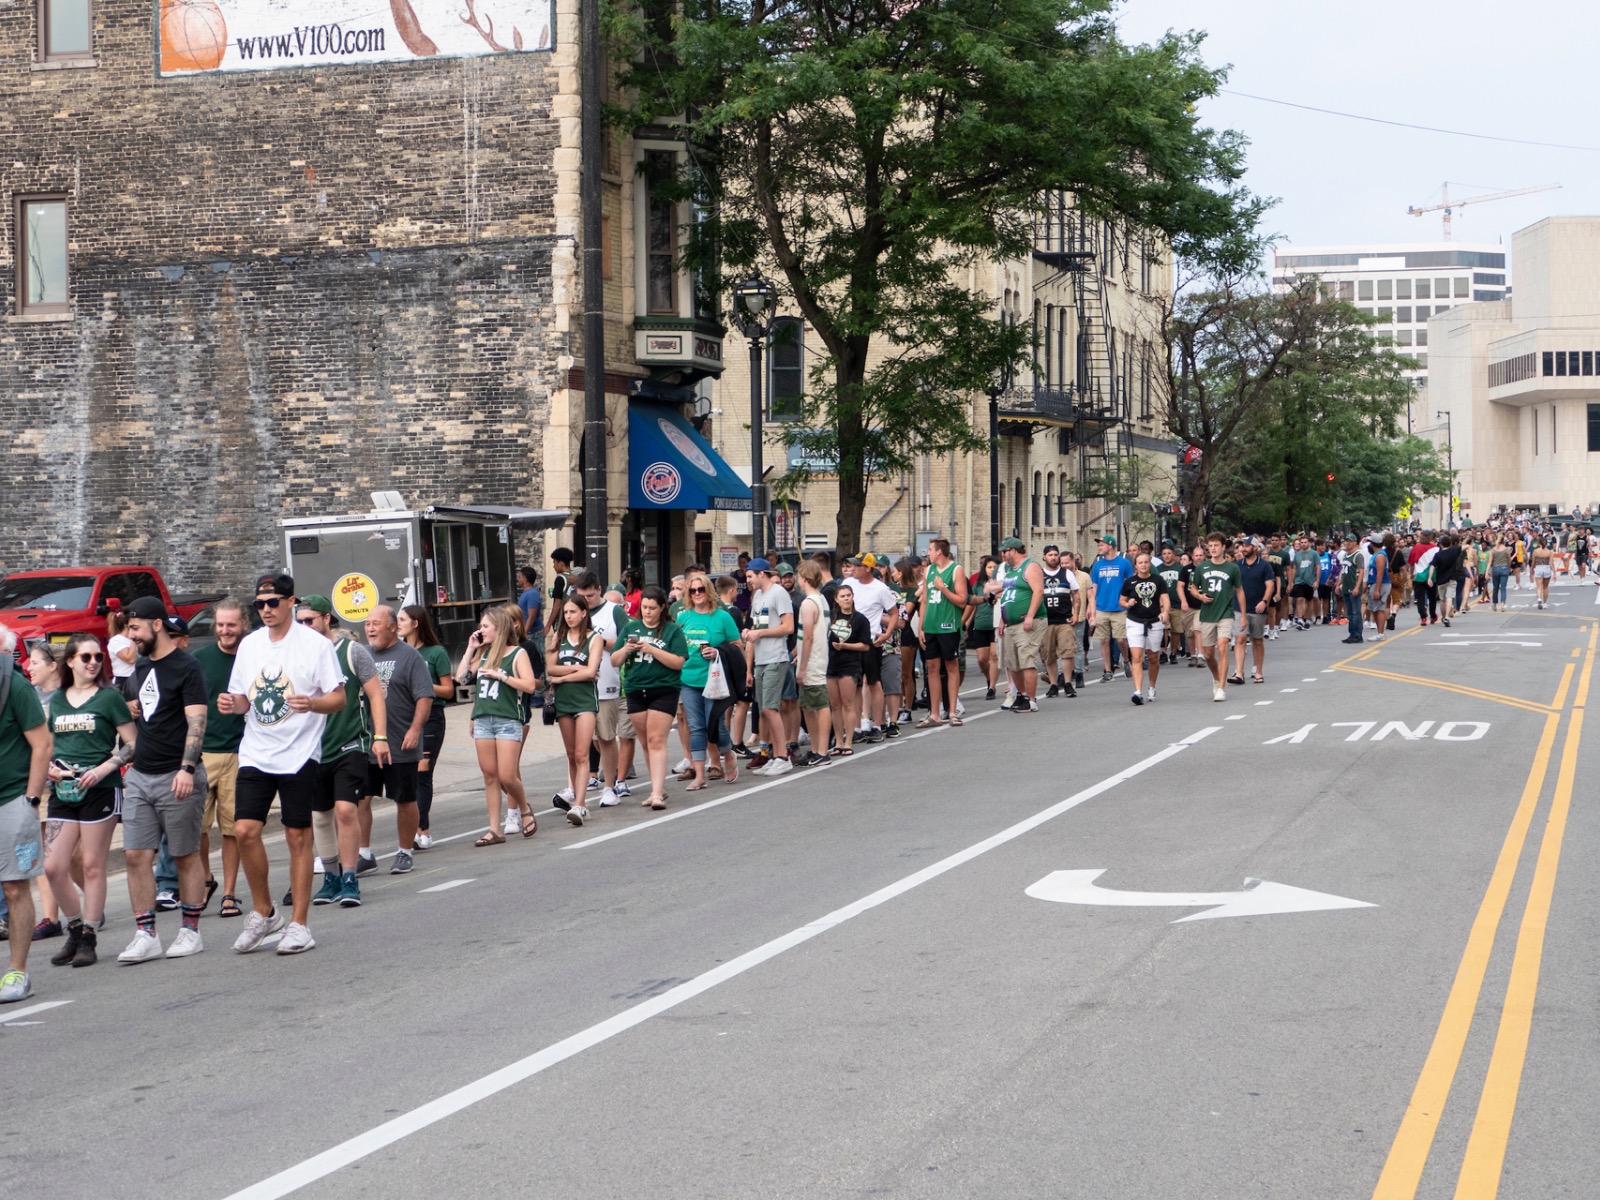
(572, 665)
(498, 667)
(416, 627)
(24, 762)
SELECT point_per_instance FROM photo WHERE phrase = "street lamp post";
(753, 301)
(1450, 467)
(994, 469)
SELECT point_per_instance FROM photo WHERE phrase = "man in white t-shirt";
(285, 681)
(875, 601)
(771, 623)
(604, 617)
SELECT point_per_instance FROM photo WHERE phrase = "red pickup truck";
(54, 605)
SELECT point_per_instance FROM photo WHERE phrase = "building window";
(1463, 288)
(1402, 289)
(1364, 289)
(1347, 289)
(1422, 312)
(1422, 365)
(1439, 308)
(661, 234)
(1441, 288)
(42, 256)
(1403, 337)
(1049, 495)
(1016, 510)
(1535, 414)
(1403, 314)
(1422, 337)
(1549, 363)
(1061, 502)
(65, 30)
(1385, 314)
(1424, 291)
(1033, 511)
(1588, 362)
(1552, 429)
(1594, 429)
(1385, 289)
(786, 375)
(1561, 362)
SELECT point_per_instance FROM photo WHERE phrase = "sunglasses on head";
(91, 658)
(268, 602)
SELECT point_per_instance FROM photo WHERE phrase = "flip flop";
(733, 778)
(490, 839)
(527, 830)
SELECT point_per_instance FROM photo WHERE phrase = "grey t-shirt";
(405, 679)
(767, 610)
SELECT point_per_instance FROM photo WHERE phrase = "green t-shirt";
(223, 730)
(939, 614)
(1217, 582)
(440, 667)
(496, 699)
(1305, 568)
(703, 629)
(85, 736)
(983, 611)
(581, 695)
(350, 729)
(22, 713)
(643, 670)
(1018, 594)
(1172, 574)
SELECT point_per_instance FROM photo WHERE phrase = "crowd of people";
(776, 668)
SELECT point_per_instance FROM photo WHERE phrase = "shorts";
(874, 665)
(21, 848)
(1141, 637)
(1213, 631)
(892, 673)
(1108, 625)
(813, 696)
(1378, 598)
(607, 719)
(791, 686)
(149, 809)
(1185, 620)
(1542, 572)
(1324, 591)
(979, 639)
(1060, 643)
(221, 772)
(625, 730)
(1253, 626)
(1301, 591)
(99, 805)
(769, 684)
(1022, 647)
(941, 647)
(396, 780)
(655, 699)
(296, 792)
(343, 780)
(496, 729)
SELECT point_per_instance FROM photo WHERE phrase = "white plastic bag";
(716, 681)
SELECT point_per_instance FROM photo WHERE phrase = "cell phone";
(633, 639)
(63, 767)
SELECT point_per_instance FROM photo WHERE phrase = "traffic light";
(1330, 476)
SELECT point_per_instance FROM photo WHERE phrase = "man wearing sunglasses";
(285, 681)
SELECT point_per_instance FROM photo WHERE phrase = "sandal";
(695, 787)
(211, 888)
(1235, 678)
(713, 772)
(954, 721)
(929, 722)
(656, 802)
(731, 777)
(841, 752)
(490, 839)
(686, 774)
(1258, 678)
(230, 907)
(529, 830)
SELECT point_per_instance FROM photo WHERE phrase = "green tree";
(869, 153)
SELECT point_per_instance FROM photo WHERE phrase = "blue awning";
(671, 466)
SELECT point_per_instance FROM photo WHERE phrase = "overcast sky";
(1518, 70)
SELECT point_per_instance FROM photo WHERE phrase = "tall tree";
(870, 152)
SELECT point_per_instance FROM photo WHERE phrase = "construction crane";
(1448, 206)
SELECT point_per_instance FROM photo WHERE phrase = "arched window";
(1049, 498)
(1038, 480)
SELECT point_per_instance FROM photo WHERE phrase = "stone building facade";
(284, 289)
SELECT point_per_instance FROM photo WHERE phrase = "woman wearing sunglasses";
(86, 720)
(706, 625)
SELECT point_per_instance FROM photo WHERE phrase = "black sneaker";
(989, 695)
(1052, 691)
(1071, 692)
(366, 864)
(1077, 678)
(288, 898)
(892, 730)
(46, 928)
(1106, 677)
(1137, 698)
(166, 900)
(1127, 669)
(877, 735)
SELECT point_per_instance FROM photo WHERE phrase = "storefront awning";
(670, 466)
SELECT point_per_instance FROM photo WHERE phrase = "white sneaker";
(623, 789)
(186, 943)
(577, 814)
(1010, 699)
(1149, 695)
(566, 794)
(143, 948)
(423, 842)
(297, 939)
(778, 766)
(609, 799)
(683, 765)
(257, 927)
(1218, 694)
(595, 783)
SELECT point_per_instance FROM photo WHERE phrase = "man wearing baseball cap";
(875, 601)
(1020, 602)
(285, 681)
(1111, 623)
(771, 625)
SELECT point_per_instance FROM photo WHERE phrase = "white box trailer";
(454, 560)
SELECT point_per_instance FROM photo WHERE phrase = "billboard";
(203, 36)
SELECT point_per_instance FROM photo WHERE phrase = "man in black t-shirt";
(164, 790)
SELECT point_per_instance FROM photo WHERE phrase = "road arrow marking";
(1258, 897)
(1486, 643)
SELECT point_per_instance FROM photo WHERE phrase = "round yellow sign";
(354, 596)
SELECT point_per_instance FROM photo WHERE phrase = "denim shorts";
(496, 729)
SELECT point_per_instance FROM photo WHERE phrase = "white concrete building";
(1520, 380)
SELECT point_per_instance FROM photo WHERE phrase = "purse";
(548, 708)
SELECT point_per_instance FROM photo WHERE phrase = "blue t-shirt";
(1255, 576)
(532, 606)
(1108, 574)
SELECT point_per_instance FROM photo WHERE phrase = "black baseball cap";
(177, 626)
(147, 608)
(274, 583)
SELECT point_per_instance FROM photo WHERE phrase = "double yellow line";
(1491, 1128)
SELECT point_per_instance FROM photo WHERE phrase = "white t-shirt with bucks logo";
(277, 739)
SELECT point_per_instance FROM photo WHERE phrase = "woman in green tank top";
(572, 664)
(503, 673)
(979, 617)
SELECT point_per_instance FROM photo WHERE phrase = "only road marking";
(1258, 897)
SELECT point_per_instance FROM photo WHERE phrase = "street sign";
(1257, 898)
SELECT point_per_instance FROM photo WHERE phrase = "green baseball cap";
(1011, 544)
(317, 604)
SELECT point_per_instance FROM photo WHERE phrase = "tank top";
(1018, 595)
(939, 614)
(1057, 597)
(496, 699)
(580, 696)
(350, 729)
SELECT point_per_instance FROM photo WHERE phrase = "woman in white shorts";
(1148, 607)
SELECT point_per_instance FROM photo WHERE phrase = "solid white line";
(322, 1165)
(445, 887)
(18, 1013)
(793, 776)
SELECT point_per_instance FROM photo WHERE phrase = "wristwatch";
(187, 768)
(34, 800)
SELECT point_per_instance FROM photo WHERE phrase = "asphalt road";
(838, 984)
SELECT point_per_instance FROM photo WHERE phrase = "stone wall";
(289, 288)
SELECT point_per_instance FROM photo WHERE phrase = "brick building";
(239, 291)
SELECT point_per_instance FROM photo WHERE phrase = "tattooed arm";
(183, 780)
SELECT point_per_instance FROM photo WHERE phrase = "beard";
(142, 645)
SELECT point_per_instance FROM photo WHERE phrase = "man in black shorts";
(407, 699)
(944, 600)
(285, 681)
